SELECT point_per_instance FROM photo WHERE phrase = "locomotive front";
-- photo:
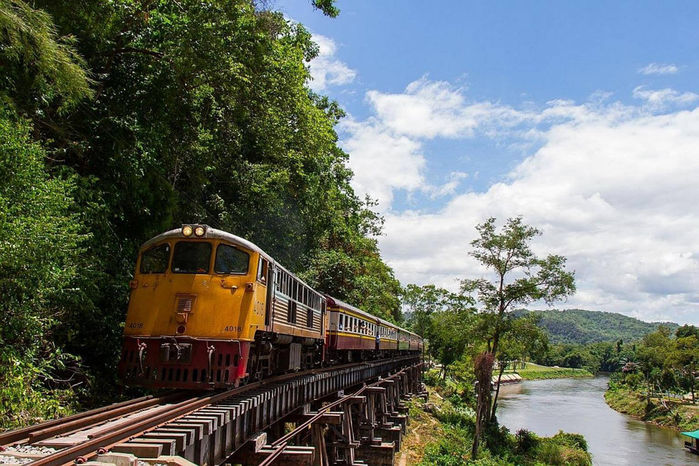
(197, 298)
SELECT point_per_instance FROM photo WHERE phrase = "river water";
(577, 405)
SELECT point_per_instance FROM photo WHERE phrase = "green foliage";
(444, 319)
(578, 326)
(37, 67)
(327, 7)
(536, 372)
(40, 243)
(526, 441)
(451, 450)
(39, 266)
(668, 413)
(145, 115)
(658, 382)
(24, 398)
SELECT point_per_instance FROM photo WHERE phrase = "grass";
(536, 372)
(670, 413)
(423, 429)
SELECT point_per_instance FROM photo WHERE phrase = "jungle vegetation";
(120, 120)
(658, 378)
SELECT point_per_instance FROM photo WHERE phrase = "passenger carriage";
(352, 333)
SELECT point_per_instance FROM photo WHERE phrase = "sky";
(581, 117)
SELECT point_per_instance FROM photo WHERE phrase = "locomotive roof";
(213, 233)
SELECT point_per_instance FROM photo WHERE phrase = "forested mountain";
(582, 327)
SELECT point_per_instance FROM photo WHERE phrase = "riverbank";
(533, 371)
(441, 432)
(666, 413)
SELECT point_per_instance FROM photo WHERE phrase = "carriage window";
(291, 312)
(155, 259)
(231, 260)
(191, 257)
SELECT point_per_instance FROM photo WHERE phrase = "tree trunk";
(483, 368)
(497, 392)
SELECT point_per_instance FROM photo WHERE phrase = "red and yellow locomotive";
(209, 309)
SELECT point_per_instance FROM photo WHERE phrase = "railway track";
(77, 438)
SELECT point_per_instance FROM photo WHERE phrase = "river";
(577, 405)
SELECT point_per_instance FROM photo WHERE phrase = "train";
(211, 310)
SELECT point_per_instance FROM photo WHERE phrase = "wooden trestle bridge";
(351, 414)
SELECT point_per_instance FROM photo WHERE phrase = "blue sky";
(580, 116)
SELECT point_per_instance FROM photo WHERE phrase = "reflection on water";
(577, 405)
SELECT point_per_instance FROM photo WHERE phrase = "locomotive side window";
(262, 270)
(231, 260)
(191, 257)
(155, 259)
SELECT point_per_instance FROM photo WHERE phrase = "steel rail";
(110, 438)
(58, 426)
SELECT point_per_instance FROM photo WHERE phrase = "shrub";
(571, 440)
(451, 450)
(526, 441)
(550, 453)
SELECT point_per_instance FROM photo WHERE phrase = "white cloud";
(662, 98)
(659, 68)
(612, 186)
(617, 198)
(428, 109)
(382, 161)
(326, 69)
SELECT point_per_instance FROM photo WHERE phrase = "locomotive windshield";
(191, 257)
(231, 260)
(155, 259)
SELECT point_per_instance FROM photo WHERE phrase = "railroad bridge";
(352, 414)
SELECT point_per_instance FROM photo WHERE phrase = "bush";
(453, 449)
(432, 378)
(458, 416)
(571, 440)
(564, 449)
(526, 441)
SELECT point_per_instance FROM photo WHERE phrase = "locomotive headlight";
(199, 231)
(187, 230)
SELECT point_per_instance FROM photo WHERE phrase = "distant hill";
(580, 326)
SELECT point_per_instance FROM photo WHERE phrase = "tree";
(39, 264)
(451, 334)
(520, 277)
(651, 356)
(421, 304)
(684, 357)
(37, 66)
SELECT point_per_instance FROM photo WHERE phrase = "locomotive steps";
(349, 414)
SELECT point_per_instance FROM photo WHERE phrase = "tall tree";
(519, 278)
